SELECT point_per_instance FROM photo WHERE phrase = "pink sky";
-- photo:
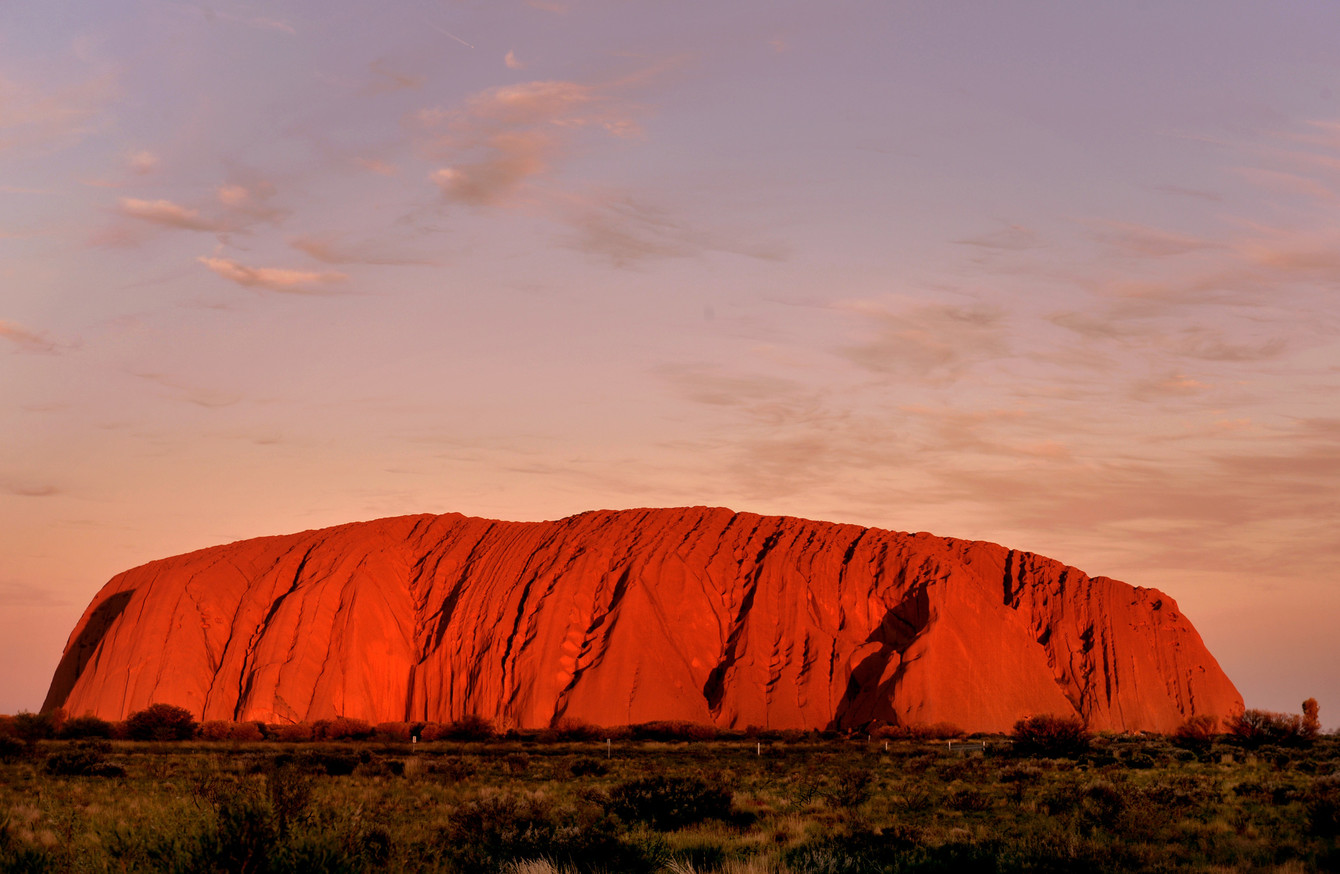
(1056, 276)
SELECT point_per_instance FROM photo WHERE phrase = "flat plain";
(796, 803)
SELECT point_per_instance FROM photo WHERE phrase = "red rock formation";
(614, 618)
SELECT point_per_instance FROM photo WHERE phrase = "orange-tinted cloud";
(274, 278)
(32, 118)
(167, 214)
(505, 136)
(336, 250)
(26, 339)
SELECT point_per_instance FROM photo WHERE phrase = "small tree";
(1311, 722)
(161, 722)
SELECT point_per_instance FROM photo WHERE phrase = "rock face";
(615, 618)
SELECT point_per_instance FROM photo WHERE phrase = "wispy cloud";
(1013, 237)
(626, 231)
(24, 595)
(214, 14)
(512, 61)
(197, 395)
(27, 339)
(932, 340)
(142, 162)
(167, 214)
(333, 249)
(385, 79)
(28, 488)
(274, 278)
(35, 118)
(507, 136)
(1145, 241)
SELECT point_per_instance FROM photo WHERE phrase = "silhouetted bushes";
(85, 759)
(671, 731)
(1050, 735)
(1254, 729)
(469, 728)
(488, 832)
(588, 767)
(161, 722)
(919, 731)
(667, 803)
(32, 727)
(87, 726)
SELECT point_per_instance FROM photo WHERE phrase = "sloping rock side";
(621, 617)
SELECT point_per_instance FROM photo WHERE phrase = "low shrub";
(341, 728)
(1323, 807)
(453, 769)
(964, 797)
(853, 789)
(668, 803)
(1050, 735)
(588, 767)
(32, 727)
(296, 732)
(516, 763)
(86, 726)
(1196, 733)
(11, 748)
(237, 732)
(87, 759)
(919, 731)
(486, 833)
(572, 731)
(161, 722)
(332, 763)
(666, 730)
(466, 729)
(397, 732)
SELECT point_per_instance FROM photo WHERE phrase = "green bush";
(667, 803)
(161, 722)
(1050, 735)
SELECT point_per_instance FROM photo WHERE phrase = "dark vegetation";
(1261, 793)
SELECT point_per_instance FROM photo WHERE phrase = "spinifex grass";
(809, 806)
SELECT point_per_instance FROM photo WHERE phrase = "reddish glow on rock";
(613, 618)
